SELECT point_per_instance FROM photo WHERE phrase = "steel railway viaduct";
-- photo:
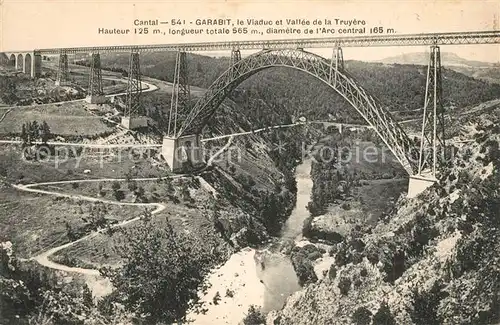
(181, 144)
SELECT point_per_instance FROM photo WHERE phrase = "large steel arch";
(365, 104)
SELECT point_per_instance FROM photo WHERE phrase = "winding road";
(43, 258)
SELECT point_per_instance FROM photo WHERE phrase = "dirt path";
(5, 114)
(220, 151)
(99, 285)
(44, 258)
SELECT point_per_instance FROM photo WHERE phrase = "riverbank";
(237, 286)
(256, 277)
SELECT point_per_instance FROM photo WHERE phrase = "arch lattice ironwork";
(365, 104)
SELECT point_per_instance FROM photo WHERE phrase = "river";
(263, 277)
(278, 275)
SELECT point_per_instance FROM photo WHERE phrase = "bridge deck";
(455, 38)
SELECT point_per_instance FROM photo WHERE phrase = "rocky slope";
(433, 260)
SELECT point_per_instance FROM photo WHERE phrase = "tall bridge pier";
(432, 143)
(181, 152)
(63, 70)
(134, 115)
(95, 93)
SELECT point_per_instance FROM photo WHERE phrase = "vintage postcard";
(249, 162)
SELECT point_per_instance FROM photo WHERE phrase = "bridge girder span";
(365, 104)
(425, 39)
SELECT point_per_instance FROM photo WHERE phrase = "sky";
(31, 24)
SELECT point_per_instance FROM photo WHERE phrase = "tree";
(362, 316)
(97, 216)
(34, 130)
(169, 188)
(185, 194)
(140, 193)
(383, 316)
(8, 91)
(116, 186)
(24, 135)
(44, 130)
(119, 195)
(132, 186)
(161, 272)
(254, 316)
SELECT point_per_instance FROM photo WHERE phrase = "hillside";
(486, 71)
(447, 59)
(431, 260)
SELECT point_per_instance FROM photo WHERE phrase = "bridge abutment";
(184, 153)
(135, 122)
(95, 99)
(418, 184)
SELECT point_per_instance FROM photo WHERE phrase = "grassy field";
(35, 223)
(99, 251)
(188, 217)
(69, 119)
(154, 191)
(17, 169)
(82, 80)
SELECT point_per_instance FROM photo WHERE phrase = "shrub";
(119, 195)
(361, 316)
(383, 316)
(115, 186)
(358, 244)
(132, 186)
(161, 272)
(344, 285)
(332, 273)
(395, 268)
(216, 298)
(425, 305)
(343, 256)
(307, 227)
(254, 317)
(72, 235)
(304, 270)
(346, 206)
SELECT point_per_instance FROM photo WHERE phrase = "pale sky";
(27, 25)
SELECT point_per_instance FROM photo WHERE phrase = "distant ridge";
(447, 59)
